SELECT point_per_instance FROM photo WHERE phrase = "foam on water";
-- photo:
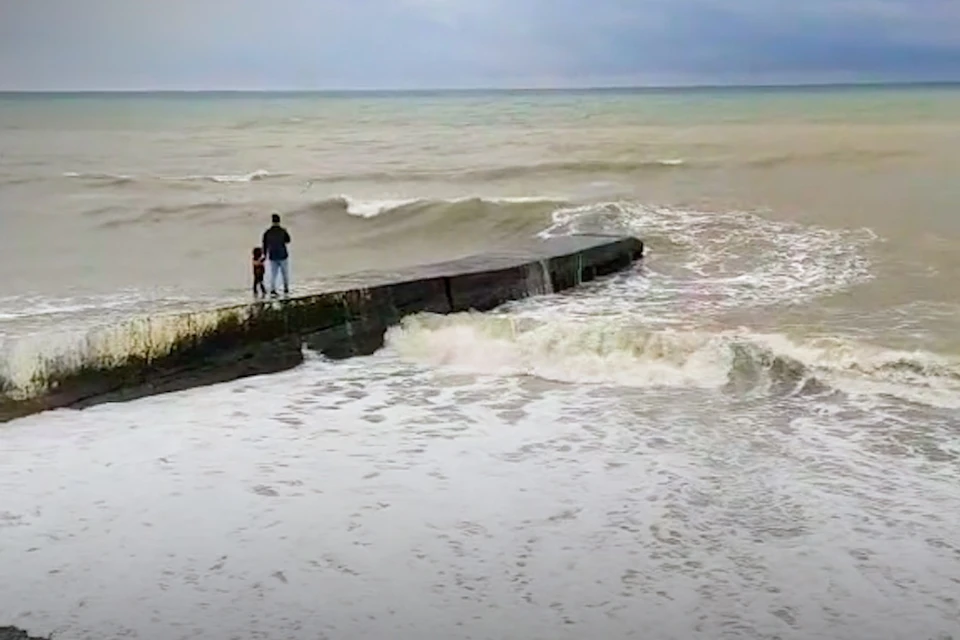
(374, 208)
(608, 351)
(374, 498)
(29, 363)
(259, 174)
(102, 179)
(710, 261)
(573, 352)
(25, 307)
(111, 179)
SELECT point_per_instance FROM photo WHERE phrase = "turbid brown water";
(753, 436)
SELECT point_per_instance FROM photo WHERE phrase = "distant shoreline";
(612, 89)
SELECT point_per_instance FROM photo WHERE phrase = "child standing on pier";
(258, 271)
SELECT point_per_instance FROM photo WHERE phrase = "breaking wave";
(430, 227)
(357, 218)
(720, 260)
(373, 208)
(509, 172)
(113, 180)
(610, 352)
(29, 366)
(559, 168)
(101, 179)
(253, 176)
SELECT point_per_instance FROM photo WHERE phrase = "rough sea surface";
(753, 434)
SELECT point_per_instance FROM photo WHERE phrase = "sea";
(754, 433)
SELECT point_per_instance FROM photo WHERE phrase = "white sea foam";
(108, 178)
(30, 306)
(374, 208)
(259, 174)
(612, 352)
(709, 261)
(416, 505)
(253, 176)
(561, 351)
(28, 362)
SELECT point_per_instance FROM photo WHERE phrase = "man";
(275, 240)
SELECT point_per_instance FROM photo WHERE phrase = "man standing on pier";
(275, 241)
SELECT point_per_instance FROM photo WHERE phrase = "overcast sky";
(337, 44)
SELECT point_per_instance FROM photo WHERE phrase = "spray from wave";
(713, 261)
(30, 365)
(611, 352)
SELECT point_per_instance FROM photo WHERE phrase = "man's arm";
(286, 236)
(263, 241)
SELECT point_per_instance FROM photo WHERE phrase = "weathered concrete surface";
(351, 320)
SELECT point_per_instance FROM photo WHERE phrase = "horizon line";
(497, 89)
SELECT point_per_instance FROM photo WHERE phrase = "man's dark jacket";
(275, 241)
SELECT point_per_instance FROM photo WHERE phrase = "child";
(258, 270)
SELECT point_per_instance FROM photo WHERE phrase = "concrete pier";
(226, 344)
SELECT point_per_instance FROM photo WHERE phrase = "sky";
(412, 44)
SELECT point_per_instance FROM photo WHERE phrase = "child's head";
(257, 252)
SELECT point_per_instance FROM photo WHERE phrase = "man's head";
(275, 218)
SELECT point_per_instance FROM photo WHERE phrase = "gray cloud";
(102, 44)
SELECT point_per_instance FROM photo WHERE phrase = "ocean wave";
(359, 215)
(852, 157)
(374, 208)
(599, 351)
(30, 364)
(13, 181)
(609, 352)
(591, 169)
(587, 167)
(25, 307)
(702, 261)
(102, 179)
(496, 173)
(442, 227)
(716, 260)
(445, 212)
(370, 208)
(28, 308)
(116, 179)
(162, 213)
(253, 176)
(506, 172)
